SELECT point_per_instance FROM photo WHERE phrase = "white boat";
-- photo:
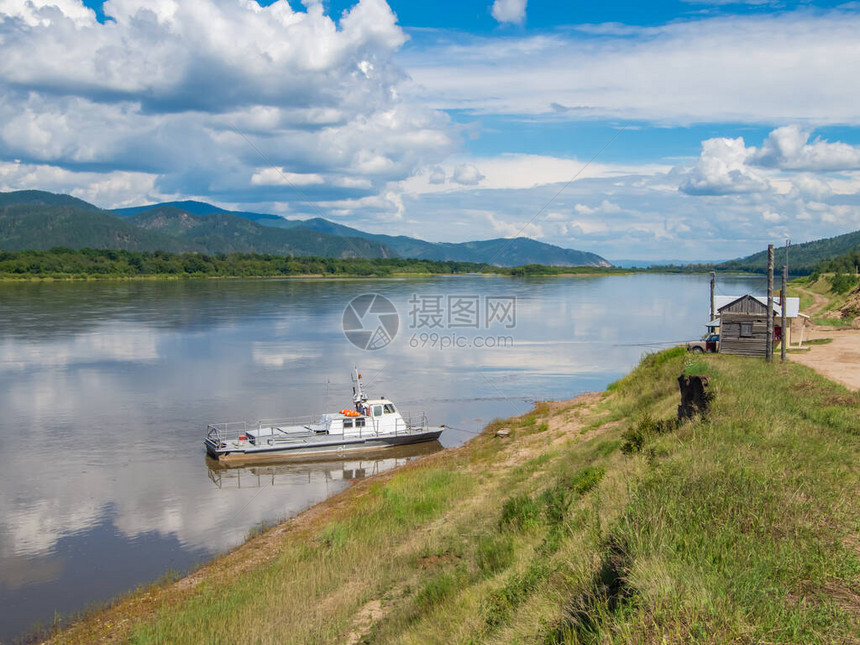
(370, 424)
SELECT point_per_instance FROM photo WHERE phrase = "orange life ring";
(350, 413)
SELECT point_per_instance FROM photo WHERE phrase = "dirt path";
(819, 301)
(838, 360)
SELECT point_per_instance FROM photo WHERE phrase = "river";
(106, 389)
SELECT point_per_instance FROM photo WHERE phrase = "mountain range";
(39, 220)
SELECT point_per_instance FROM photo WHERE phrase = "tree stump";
(695, 397)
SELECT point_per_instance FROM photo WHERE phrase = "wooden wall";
(731, 341)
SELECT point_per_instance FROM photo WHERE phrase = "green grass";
(831, 322)
(741, 527)
(836, 299)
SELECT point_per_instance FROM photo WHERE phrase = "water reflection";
(106, 390)
(306, 469)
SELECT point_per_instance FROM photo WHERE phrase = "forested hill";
(35, 226)
(36, 220)
(802, 258)
(42, 198)
(506, 252)
(205, 228)
(228, 233)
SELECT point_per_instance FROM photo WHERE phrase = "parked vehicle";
(709, 344)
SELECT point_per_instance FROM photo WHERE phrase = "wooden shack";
(743, 327)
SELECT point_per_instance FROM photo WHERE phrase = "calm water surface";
(106, 390)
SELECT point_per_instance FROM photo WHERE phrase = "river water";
(106, 389)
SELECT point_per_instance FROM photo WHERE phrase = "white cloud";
(728, 166)
(281, 177)
(436, 175)
(212, 98)
(35, 13)
(788, 147)
(516, 171)
(119, 188)
(513, 229)
(729, 69)
(810, 186)
(467, 175)
(512, 11)
(722, 169)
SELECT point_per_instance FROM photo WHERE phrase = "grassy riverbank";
(592, 521)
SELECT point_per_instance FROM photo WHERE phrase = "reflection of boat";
(373, 424)
(227, 475)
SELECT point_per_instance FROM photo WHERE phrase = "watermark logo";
(437, 311)
(437, 321)
(370, 321)
(436, 318)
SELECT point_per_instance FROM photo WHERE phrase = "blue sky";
(691, 130)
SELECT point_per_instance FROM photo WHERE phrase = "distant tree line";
(61, 262)
(845, 263)
(844, 268)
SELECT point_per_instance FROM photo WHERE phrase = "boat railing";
(287, 421)
(222, 432)
(413, 419)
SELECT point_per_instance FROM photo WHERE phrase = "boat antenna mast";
(358, 395)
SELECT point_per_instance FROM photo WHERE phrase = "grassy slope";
(743, 527)
(827, 315)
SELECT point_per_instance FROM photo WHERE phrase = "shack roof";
(792, 305)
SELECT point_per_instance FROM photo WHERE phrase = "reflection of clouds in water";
(110, 343)
(34, 529)
(278, 355)
(104, 428)
(206, 515)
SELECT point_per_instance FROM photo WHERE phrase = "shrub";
(520, 512)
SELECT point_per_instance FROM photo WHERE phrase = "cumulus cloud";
(809, 186)
(46, 12)
(217, 99)
(467, 175)
(729, 166)
(512, 11)
(789, 148)
(722, 170)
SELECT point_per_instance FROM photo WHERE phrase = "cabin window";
(377, 410)
(347, 423)
(359, 422)
(746, 330)
(388, 408)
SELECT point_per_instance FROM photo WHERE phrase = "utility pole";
(768, 351)
(783, 301)
(713, 306)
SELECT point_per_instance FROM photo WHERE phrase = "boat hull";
(245, 452)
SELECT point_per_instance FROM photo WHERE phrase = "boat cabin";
(378, 416)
